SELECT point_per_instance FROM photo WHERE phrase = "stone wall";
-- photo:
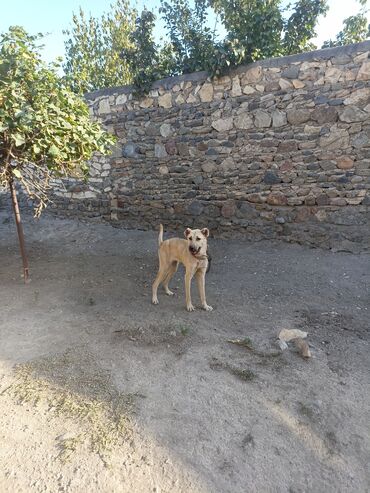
(276, 149)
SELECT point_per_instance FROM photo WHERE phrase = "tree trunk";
(18, 222)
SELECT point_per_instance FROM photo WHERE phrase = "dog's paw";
(169, 293)
(208, 308)
(155, 301)
(190, 308)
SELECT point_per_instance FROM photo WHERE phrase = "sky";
(53, 17)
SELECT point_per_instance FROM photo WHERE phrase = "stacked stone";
(77, 197)
(280, 148)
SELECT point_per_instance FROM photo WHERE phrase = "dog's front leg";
(201, 280)
(188, 277)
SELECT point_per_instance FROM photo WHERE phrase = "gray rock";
(228, 209)
(262, 119)
(171, 147)
(252, 75)
(104, 107)
(160, 151)
(163, 170)
(206, 93)
(322, 199)
(364, 72)
(166, 130)
(236, 89)
(321, 100)
(353, 114)
(223, 124)
(280, 220)
(358, 97)
(341, 60)
(183, 149)
(152, 129)
(247, 210)
(285, 85)
(121, 99)
(244, 121)
(346, 246)
(117, 151)
(165, 101)
(360, 140)
(208, 167)
(271, 178)
(325, 115)
(190, 194)
(276, 198)
(195, 208)
(366, 200)
(197, 180)
(338, 138)
(291, 72)
(279, 118)
(180, 169)
(298, 116)
(129, 150)
(228, 164)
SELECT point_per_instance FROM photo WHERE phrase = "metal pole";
(18, 222)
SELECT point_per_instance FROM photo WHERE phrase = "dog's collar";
(203, 257)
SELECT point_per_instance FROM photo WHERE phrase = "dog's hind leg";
(171, 271)
(161, 276)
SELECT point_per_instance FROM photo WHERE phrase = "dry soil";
(102, 392)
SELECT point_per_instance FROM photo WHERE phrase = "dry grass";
(67, 447)
(247, 343)
(74, 387)
(242, 373)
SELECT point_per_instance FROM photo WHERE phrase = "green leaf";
(53, 151)
(17, 173)
(19, 139)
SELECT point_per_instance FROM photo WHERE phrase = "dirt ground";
(100, 391)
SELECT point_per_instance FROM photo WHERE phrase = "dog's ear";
(187, 232)
(205, 232)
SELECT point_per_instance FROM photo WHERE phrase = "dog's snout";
(194, 249)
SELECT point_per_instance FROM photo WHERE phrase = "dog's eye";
(198, 239)
(190, 238)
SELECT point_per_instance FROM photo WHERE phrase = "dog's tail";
(160, 237)
(209, 262)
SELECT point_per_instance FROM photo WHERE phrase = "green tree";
(193, 42)
(260, 29)
(299, 29)
(45, 129)
(142, 54)
(256, 29)
(355, 29)
(94, 45)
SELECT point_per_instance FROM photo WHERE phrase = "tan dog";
(192, 253)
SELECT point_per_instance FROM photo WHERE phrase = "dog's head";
(197, 241)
